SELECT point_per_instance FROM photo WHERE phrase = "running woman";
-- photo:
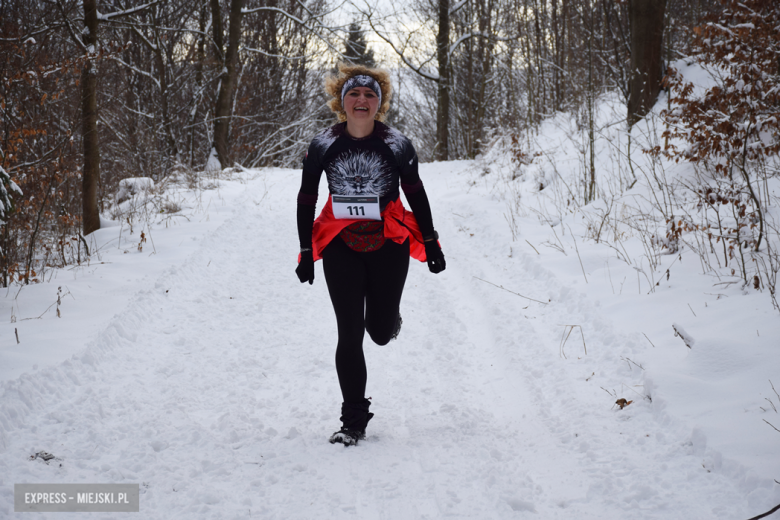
(363, 234)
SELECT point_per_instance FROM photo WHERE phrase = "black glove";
(435, 257)
(305, 269)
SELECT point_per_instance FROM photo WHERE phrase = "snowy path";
(215, 389)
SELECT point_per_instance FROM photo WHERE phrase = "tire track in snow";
(624, 456)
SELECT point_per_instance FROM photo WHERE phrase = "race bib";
(363, 207)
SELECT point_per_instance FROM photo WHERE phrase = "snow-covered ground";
(201, 369)
(196, 365)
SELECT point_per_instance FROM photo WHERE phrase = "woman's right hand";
(305, 269)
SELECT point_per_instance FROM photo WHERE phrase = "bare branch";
(465, 37)
(126, 12)
(261, 51)
(32, 34)
(457, 6)
(73, 33)
(767, 513)
(135, 69)
(400, 52)
(313, 30)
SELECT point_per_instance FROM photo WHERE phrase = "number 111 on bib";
(363, 207)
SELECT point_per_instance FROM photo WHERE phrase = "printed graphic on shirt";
(399, 144)
(395, 140)
(324, 139)
(358, 172)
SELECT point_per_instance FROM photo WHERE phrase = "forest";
(92, 93)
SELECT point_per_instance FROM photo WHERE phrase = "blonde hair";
(334, 84)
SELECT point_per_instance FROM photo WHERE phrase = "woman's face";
(361, 104)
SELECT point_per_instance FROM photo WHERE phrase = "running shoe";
(347, 437)
(397, 327)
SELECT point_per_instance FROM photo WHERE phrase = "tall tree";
(218, 31)
(474, 78)
(443, 83)
(156, 41)
(89, 117)
(468, 37)
(646, 19)
(223, 110)
(200, 58)
(438, 13)
(356, 49)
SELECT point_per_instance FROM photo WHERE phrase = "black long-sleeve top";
(374, 165)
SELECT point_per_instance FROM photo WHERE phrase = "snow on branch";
(465, 37)
(687, 338)
(136, 69)
(294, 18)
(462, 39)
(457, 6)
(126, 12)
(261, 51)
(724, 29)
(29, 38)
(144, 39)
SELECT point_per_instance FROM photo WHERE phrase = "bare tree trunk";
(91, 171)
(224, 107)
(172, 151)
(216, 26)
(5, 232)
(590, 190)
(566, 38)
(646, 19)
(556, 43)
(471, 116)
(485, 55)
(539, 47)
(162, 71)
(201, 57)
(443, 92)
(530, 71)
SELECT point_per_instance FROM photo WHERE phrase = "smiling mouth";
(362, 109)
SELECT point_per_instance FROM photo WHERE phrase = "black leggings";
(365, 289)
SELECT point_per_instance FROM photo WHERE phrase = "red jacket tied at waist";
(399, 225)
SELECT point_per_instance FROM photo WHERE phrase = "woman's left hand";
(435, 257)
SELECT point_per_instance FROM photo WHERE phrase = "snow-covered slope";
(205, 373)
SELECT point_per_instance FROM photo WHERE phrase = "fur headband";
(361, 80)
